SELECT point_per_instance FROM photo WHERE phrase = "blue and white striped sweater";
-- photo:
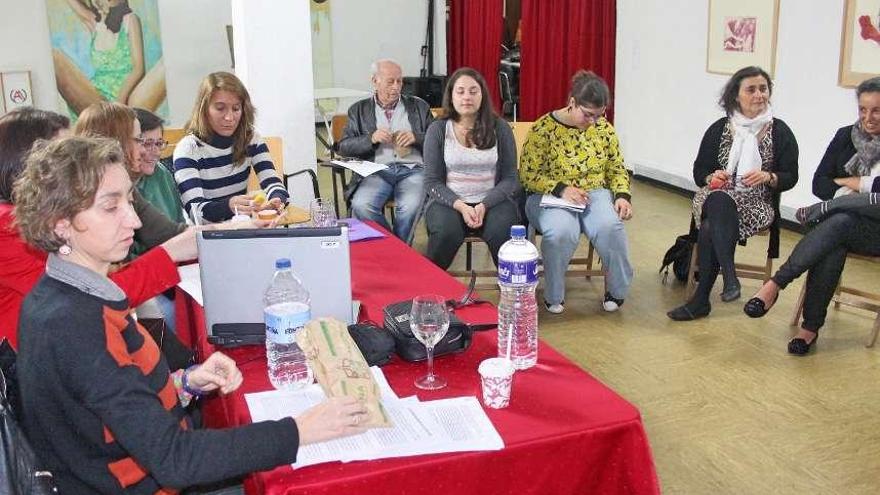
(207, 177)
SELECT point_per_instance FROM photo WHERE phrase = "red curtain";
(474, 39)
(558, 38)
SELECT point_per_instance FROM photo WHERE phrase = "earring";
(65, 250)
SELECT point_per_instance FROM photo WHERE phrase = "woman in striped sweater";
(213, 162)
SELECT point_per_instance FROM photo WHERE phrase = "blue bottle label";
(282, 328)
(518, 272)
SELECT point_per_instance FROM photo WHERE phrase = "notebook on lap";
(237, 266)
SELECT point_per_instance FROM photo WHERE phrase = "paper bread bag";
(340, 368)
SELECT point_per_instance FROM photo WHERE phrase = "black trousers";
(447, 230)
(719, 231)
(823, 252)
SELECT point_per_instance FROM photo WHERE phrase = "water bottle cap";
(282, 263)
(517, 231)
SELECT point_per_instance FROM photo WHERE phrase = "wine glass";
(429, 321)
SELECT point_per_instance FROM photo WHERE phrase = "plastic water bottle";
(517, 309)
(287, 310)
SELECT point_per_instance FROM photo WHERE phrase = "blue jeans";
(166, 306)
(402, 184)
(560, 233)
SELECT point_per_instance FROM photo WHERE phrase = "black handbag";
(374, 342)
(19, 473)
(457, 339)
(679, 257)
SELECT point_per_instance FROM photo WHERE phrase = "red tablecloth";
(564, 432)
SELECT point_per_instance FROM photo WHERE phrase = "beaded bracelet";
(185, 383)
(182, 395)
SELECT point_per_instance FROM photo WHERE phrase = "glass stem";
(430, 351)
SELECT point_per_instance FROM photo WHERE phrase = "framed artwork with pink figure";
(860, 42)
(741, 33)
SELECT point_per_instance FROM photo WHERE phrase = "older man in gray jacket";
(387, 128)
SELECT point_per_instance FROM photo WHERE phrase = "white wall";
(364, 31)
(24, 45)
(665, 99)
(192, 49)
(276, 66)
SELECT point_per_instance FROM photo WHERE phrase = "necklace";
(462, 133)
(461, 127)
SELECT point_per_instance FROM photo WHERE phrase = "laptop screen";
(237, 267)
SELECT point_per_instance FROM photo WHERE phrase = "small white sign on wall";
(17, 93)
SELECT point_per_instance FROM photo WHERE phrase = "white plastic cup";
(496, 376)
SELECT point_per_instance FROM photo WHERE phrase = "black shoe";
(685, 313)
(731, 293)
(755, 307)
(800, 347)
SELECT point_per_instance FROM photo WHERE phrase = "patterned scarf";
(744, 154)
(867, 152)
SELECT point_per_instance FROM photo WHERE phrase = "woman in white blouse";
(470, 171)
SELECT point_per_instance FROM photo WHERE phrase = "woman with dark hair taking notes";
(573, 153)
(99, 404)
(746, 160)
(470, 171)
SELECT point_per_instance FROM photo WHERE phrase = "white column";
(273, 57)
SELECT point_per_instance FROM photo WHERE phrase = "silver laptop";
(237, 267)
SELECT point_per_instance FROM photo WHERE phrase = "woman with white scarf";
(746, 159)
(848, 220)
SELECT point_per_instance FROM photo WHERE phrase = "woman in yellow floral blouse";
(573, 154)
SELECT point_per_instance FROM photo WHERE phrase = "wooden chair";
(578, 266)
(743, 270)
(339, 178)
(520, 132)
(857, 298)
(173, 135)
(469, 241)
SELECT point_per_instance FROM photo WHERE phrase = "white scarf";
(744, 155)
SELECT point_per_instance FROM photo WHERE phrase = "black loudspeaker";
(429, 88)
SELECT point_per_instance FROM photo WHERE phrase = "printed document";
(551, 201)
(448, 425)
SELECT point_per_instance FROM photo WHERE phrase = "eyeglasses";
(159, 144)
(592, 117)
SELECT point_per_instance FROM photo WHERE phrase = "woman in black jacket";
(846, 222)
(746, 160)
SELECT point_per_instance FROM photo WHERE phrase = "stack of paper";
(360, 167)
(551, 201)
(447, 425)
